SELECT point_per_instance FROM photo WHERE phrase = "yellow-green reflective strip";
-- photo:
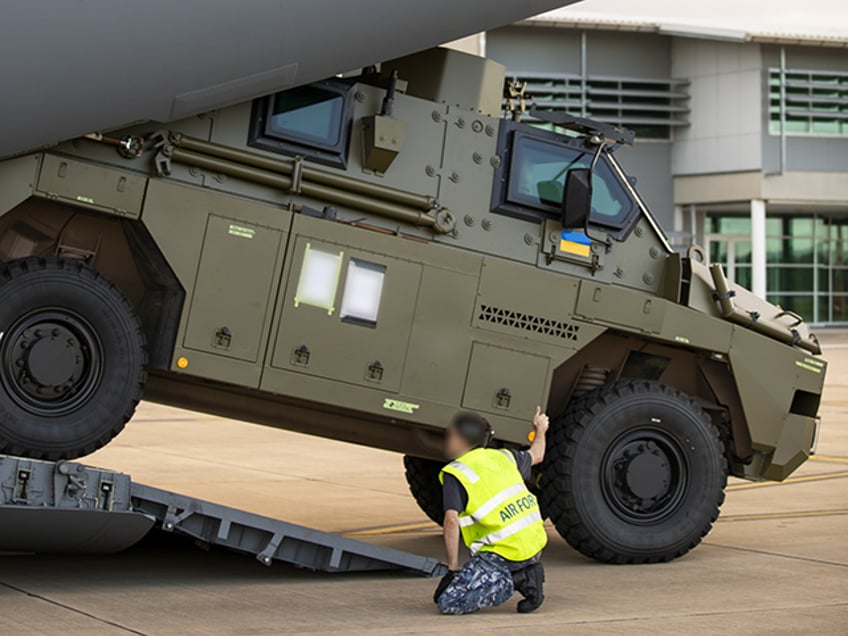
(511, 529)
(465, 470)
(493, 503)
(400, 406)
(808, 367)
(241, 231)
(814, 362)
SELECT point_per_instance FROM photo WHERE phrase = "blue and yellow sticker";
(572, 242)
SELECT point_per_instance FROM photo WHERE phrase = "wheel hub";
(51, 362)
(644, 476)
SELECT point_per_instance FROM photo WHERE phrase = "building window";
(312, 121)
(806, 261)
(810, 102)
(650, 107)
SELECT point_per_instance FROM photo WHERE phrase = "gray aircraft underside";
(71, 67)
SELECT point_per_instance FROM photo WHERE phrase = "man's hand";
(541, 422)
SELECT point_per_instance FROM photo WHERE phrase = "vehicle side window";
(312, 121)
(309, 113)
(530, 183)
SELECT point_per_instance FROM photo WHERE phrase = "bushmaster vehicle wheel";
(422, 475)
(635, 473)
(72, 359)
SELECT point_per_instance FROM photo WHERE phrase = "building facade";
(742, 139)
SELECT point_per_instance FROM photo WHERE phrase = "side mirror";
(577, 198)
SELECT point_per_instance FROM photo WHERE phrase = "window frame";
(510, 134)
(262, 136)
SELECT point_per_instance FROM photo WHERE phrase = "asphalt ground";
(776, 561)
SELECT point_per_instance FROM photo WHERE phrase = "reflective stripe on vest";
(465, 470)
(511, 529)
(501, 515)
(494, 502)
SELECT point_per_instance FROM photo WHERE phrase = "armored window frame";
(507, 201)
(331, 152)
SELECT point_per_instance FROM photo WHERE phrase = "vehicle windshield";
(538, 176)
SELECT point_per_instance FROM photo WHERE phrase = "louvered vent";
(527, 322)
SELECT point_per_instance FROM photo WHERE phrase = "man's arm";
(452, 539)
(540, 427)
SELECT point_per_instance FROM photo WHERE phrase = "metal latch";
(300, 356)
(23, 482)
(223, 338)
(374, 372)
(502, 398)
(105, 502)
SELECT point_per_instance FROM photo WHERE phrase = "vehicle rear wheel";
(72, 359)
(635, 473)
(422, 475)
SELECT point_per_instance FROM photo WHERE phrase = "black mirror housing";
(577, 199)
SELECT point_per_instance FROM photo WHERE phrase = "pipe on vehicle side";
(765, 326)
(309, 173)
(283, 182)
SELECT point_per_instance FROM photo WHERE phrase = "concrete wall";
(725, 133)
(803, 153)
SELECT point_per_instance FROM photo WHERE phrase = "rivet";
(619, 271)
(495, 161)
(193, 171)
(469, 220)
(361, 97)
(477, 157)
(648, 277)
(437, 116)
(454, 177)
(654, 252)
(477, 126)
(490, 130)
(487, 224)
(529, 239)
(430, 170)
(460, 123)
(639, 230)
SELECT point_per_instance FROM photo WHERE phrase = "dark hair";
(473, 428)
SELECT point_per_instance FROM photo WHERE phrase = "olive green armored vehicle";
(361, 257)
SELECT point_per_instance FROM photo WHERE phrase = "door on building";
(733, 253)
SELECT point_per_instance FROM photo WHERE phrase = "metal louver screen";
(811, 102)
(651, 107)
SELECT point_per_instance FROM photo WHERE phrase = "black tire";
(634, 473)
(422, 475)
(72, 359)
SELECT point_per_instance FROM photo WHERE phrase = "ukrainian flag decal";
(575, 243)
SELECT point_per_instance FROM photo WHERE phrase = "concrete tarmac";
(776, 561)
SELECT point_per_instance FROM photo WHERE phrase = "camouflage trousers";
(484, 581)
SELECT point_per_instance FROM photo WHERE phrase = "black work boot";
(529, 582)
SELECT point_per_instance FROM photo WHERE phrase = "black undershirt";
(453, 491)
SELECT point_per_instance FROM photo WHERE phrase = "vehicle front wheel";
(635, 473)
(72, 359)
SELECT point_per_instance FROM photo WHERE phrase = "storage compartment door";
(505, 382)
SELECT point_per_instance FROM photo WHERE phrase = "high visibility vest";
(501, 516)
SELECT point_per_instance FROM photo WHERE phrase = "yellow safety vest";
(501, 516)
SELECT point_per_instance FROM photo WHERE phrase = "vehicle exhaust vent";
(526, 322)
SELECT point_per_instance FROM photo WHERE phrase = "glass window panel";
(802, 305)
(839, 278)
(743, 276)
(319, 278)
(799, 226)
(823, 274)
(362, 292)
(786, 279)
(823, 304)
(840, 308)
(718, 252)
(537, 178)
(308, 113)
(742, 251)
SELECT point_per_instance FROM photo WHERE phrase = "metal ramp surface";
(70, 507)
